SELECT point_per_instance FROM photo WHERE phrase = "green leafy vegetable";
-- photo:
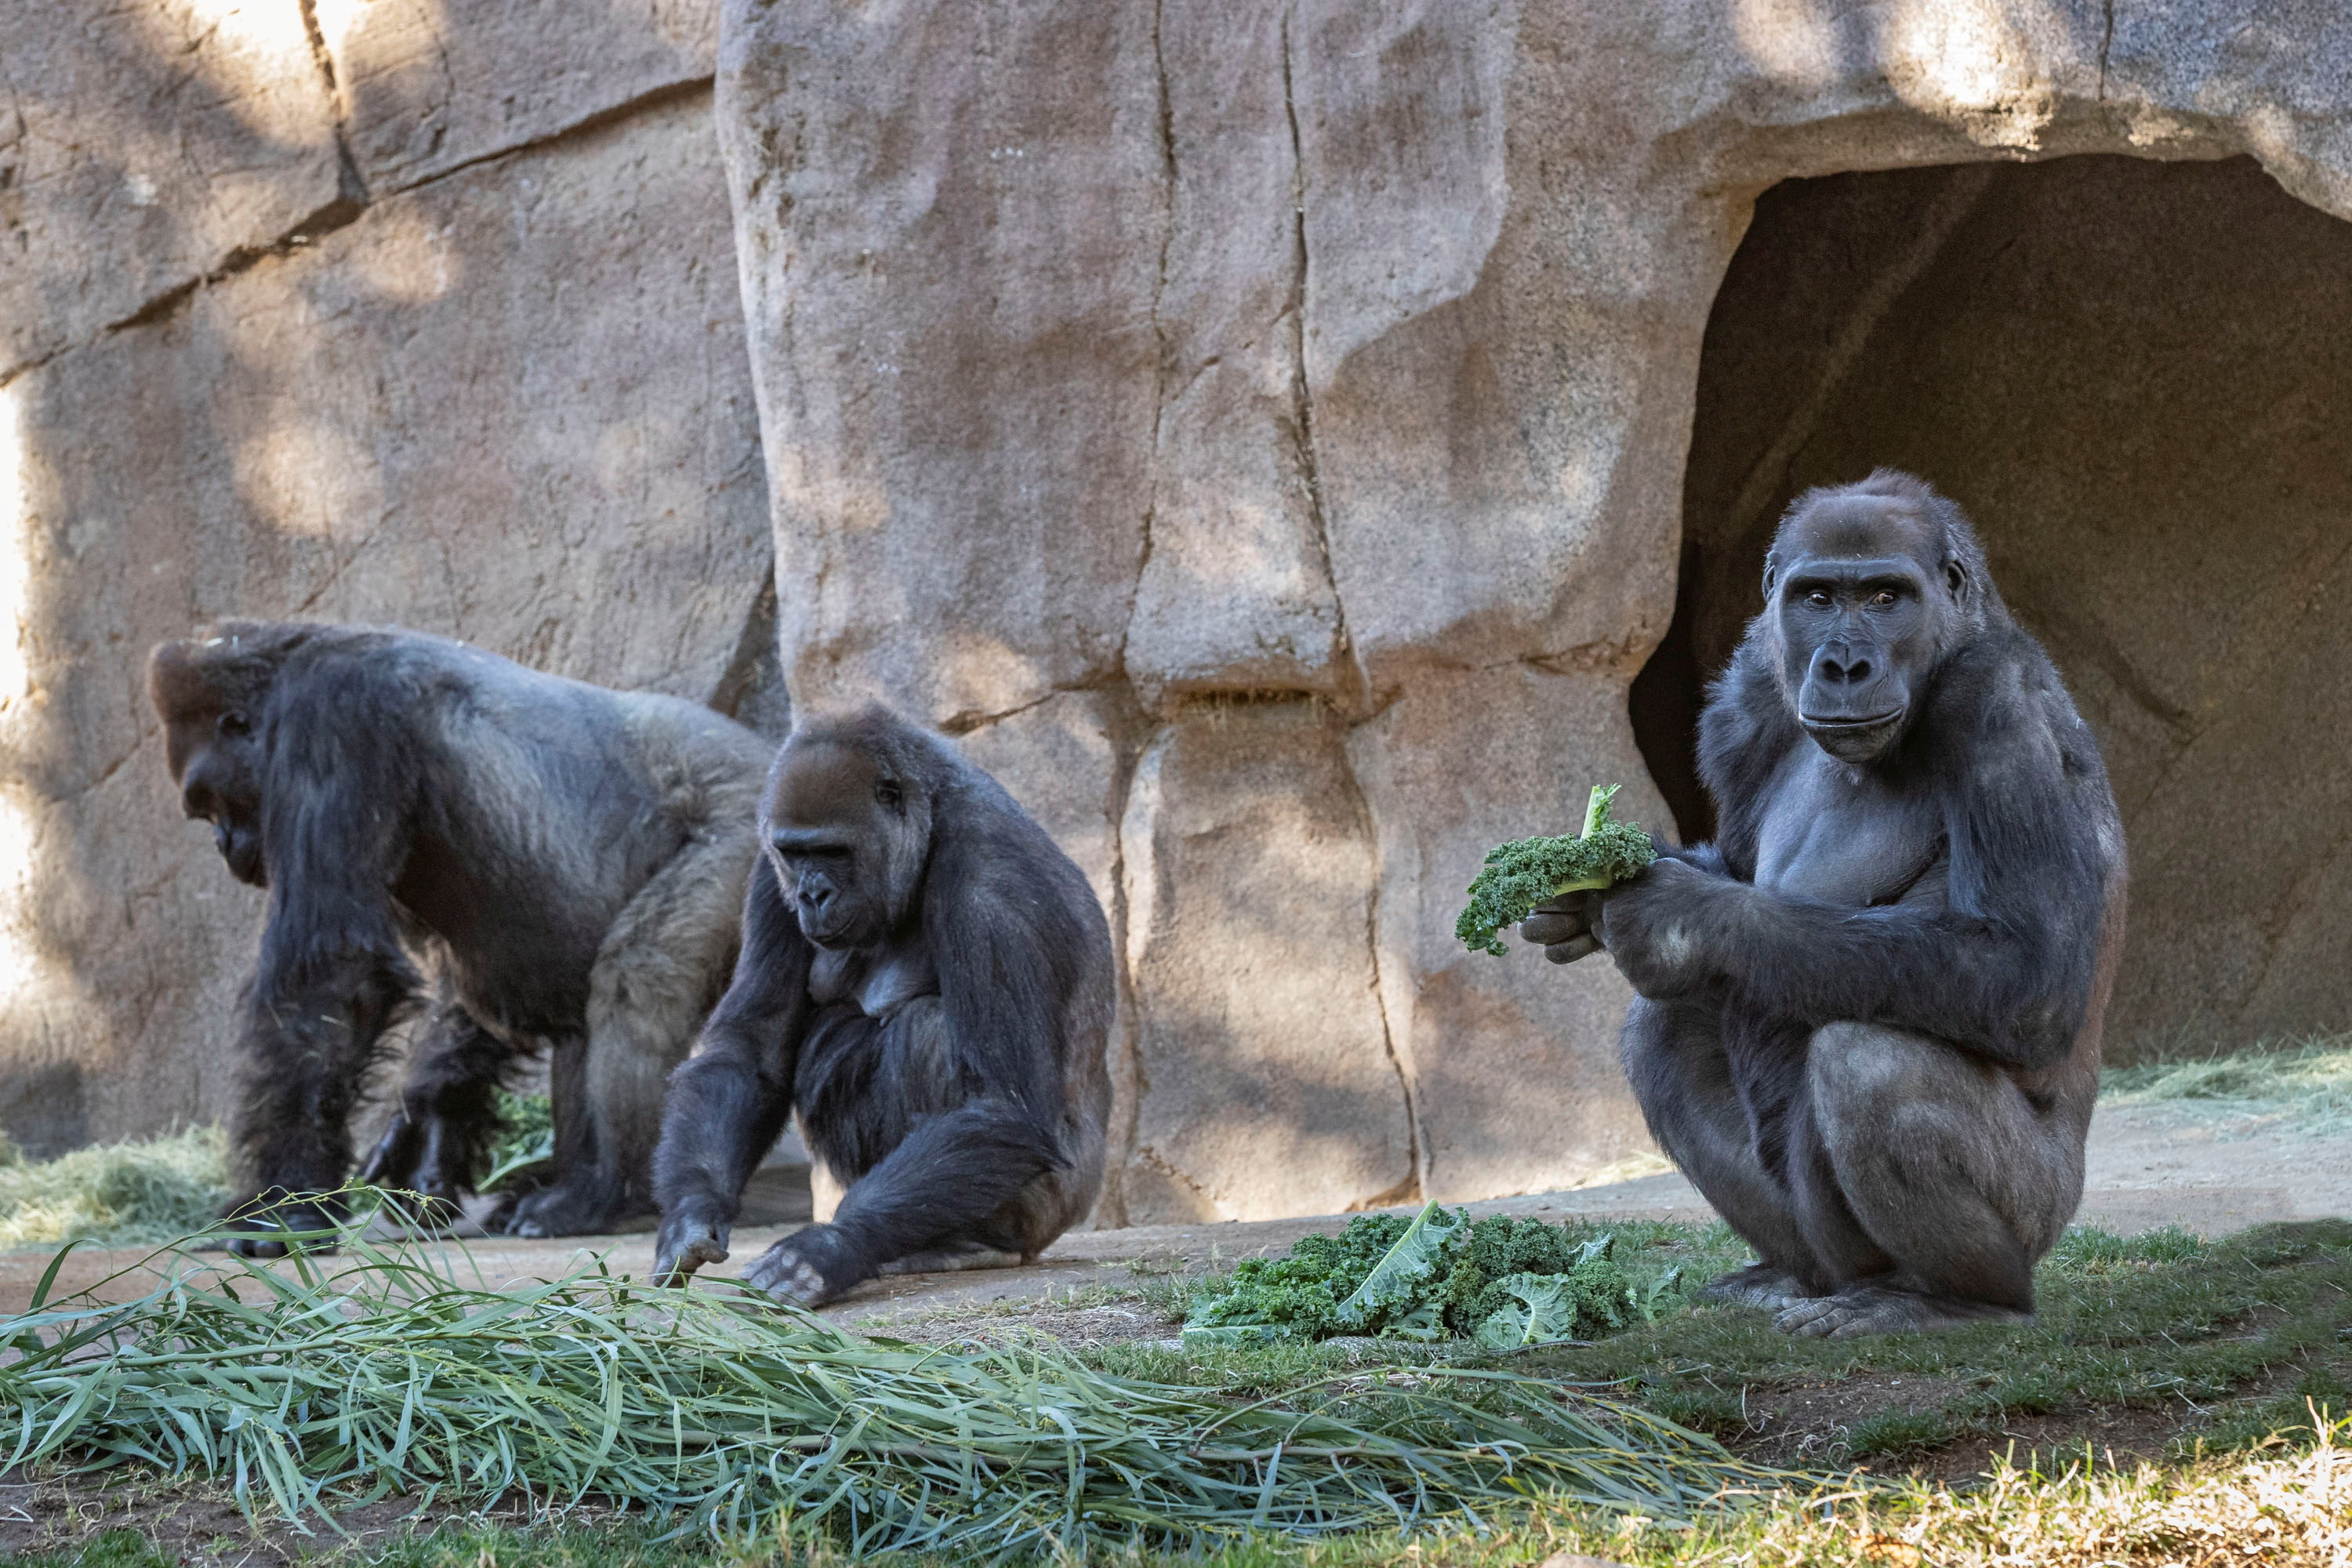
(1396, 1284)
(1520, 875)
(1504, 1282)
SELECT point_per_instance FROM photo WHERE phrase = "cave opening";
(2136, 378)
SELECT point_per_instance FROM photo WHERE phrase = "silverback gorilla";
(569, 858)
(927, 980)
(1867, 1024)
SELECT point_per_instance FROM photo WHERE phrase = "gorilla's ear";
(1956, 578)
(1772, 575)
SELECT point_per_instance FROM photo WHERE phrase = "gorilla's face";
(1862, 611)
(847, 837)
(216, 758)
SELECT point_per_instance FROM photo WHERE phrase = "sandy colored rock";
(1351, 352)
(143, 145)
(512, 407)
(950, 240)
(1268, 1084)
(430, 85)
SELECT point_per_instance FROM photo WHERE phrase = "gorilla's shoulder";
(1999, 695)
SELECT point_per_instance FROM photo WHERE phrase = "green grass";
(2282, 1507)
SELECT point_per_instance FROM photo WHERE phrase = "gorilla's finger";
(1570, 951)
(1546, 929)
(784, 1275)
(687, 1247)
(1562, 904)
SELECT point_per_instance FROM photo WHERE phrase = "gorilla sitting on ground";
(928, 981)
(569, 858)
(1868, 1019)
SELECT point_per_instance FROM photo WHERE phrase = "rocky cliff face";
(415, 313)
(1260, 431)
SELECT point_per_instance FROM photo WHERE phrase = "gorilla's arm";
(1010, 949)
(2004, 967)
(729, 1102)
(333, 975)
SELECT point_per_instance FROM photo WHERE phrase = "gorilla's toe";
(1881, 1309)
(1757, 1285)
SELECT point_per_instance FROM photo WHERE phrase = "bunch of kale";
(1504, 1282)
(1520, 875)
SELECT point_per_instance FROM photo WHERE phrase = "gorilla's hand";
(689, 1237)
(1656, 926)
(1562, 927)
(808, 1267)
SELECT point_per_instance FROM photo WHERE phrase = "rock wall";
(1261, 431)
(403, 312)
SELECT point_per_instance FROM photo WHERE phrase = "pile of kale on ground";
(1504, 1282)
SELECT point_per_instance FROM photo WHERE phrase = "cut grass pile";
(2308, 1081)
(118, 1195)
(311, 1391)
(2287, 1506)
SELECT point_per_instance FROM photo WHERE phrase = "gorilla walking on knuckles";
(1868, 1016)
(927, 980)
(569, 860)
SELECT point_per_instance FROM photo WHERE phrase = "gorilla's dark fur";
(1869, 1014)
(567, 862)
(928, 981)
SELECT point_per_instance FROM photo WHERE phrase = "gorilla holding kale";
(1867, 1021)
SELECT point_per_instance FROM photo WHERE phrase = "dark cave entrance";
(2136, 377)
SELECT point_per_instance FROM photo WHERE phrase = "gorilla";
(927, 980)
(567, 860)
(1867, 1021)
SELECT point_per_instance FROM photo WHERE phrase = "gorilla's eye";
(886, 792)
(1817, 599)
(234, 725)
(1881, 599)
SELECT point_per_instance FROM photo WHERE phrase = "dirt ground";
(2148, 1166)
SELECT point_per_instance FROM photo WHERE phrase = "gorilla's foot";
(1874, 1309)
(808, 1267)
(1757, 1285)
(582, 1206)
